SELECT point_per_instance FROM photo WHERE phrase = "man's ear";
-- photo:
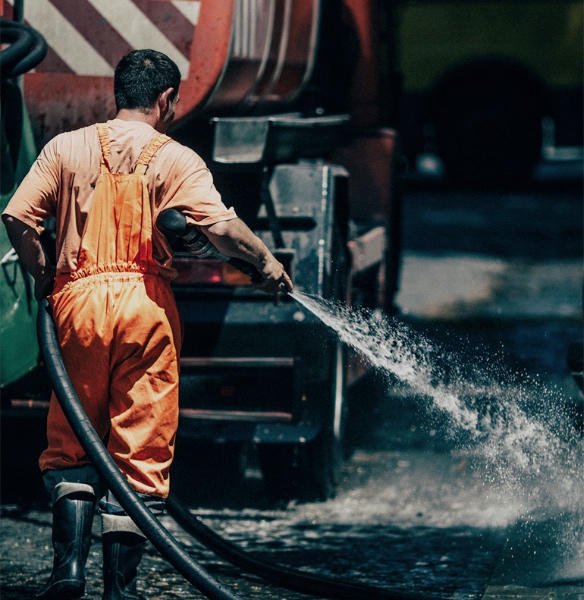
(164, 99)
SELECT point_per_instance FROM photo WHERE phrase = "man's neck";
(151, 118)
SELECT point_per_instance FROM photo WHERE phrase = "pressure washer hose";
(161, 538)
(292, 579)
(91, 443)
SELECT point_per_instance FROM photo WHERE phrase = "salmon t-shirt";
(62, 181)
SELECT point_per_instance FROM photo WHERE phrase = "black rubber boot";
(122, 553)
(72, 519)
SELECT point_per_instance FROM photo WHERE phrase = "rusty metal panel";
(73, 85)
(234, 55)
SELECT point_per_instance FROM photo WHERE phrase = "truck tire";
(324, 456)
(311, 471)
(487, 121)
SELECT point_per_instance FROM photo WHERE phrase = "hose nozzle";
(173, 223)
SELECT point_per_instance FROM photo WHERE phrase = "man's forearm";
(237, 240)
(27, 244)
(234, 238)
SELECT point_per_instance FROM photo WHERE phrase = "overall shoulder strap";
(106, 149)
(149, 152)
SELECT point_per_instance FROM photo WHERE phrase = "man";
(117, 322)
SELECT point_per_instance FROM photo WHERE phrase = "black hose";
(27, 48)
(173, 223)
(93, 446)
(19, 37)
(292, 579)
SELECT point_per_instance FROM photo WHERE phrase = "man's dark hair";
(141, 76)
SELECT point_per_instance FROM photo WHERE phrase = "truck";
(284, 101)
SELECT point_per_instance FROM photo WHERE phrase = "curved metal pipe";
(27, 48)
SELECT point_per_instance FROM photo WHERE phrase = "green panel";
(19, 350)
(544, 36)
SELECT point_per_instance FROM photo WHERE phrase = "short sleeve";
(188, 187)
(35, 199)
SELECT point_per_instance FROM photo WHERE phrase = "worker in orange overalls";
(118, 326)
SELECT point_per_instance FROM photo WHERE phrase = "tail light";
(201, 271)
(210, 271)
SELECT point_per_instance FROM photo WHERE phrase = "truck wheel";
(311, 471)
(487, 121)
(322, 459)
(324, 456)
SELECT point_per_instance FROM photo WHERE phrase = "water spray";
(304, 300)
(509, 422)
(514, 444)
(490, 412)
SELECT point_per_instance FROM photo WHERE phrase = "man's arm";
(234, 238)
(27, 244)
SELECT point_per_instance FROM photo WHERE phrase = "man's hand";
(275, 279)
(44, 285)
(27, 244)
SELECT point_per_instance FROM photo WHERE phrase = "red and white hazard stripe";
(88, 37)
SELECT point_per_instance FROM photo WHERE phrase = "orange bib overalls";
(119, 333)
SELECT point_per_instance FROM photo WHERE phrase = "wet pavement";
(412, 520)
(542, 554)
(374, 532)
(496, 272)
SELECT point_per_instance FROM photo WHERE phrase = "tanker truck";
(286, 101)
